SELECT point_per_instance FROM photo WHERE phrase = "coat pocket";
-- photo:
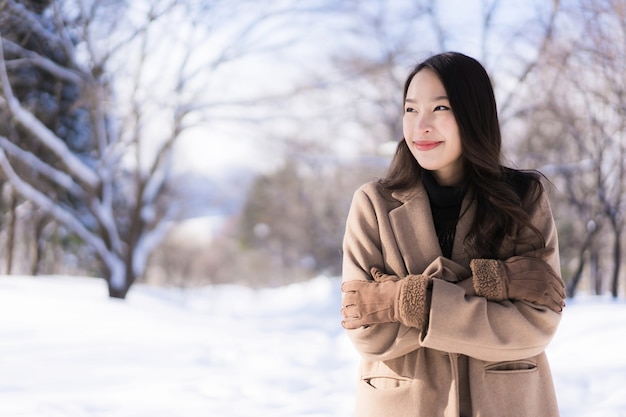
(516, 388)
(512, 389)
(520, 366)
(385, 395)
(386, 382)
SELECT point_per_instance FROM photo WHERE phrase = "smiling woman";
(451, 280)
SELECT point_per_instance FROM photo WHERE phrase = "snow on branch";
(41, 62)
(46, 204)
(27, 158)
(42, 133)
(20, 11)
(102, 212)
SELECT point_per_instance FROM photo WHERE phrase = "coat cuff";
(488, 279)
(413, 301)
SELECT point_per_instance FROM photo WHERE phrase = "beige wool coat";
(476, 357)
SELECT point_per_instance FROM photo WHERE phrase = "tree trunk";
(597, 277)
(39, 244)
(129, 279)
(11, 232)
(118, 292)
(575, 280)
(617, 260)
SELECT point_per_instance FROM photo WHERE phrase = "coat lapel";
(413, 227)
(468, 210)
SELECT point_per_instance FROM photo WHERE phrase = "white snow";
(66, 349)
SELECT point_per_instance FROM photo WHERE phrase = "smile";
(426, 145)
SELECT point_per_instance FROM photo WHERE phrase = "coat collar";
(413, 227)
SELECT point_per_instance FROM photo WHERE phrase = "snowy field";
(66, 349)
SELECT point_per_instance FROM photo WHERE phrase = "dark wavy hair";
(504, 196)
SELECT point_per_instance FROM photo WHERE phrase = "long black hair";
(504, 196)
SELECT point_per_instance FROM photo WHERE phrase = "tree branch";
(37, 60)
(27, 158)
(49, 206)
(42, 133)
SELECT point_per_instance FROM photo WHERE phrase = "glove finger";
(350, 299)
(350, 311)
(351, 324)
(556, 306)
(548, 298)
(545, 301)
(350, 287)
(560, 290)
(558, 299)
(351, 317)
(380, 276)
(557, 284)
(376, 274)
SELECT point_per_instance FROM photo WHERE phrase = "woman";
(451, 283)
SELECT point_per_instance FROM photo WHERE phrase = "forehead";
(425, 85)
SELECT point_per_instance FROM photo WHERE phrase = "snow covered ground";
(66, 349)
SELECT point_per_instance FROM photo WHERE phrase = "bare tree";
(32, 171)
(145, 77)
(577, 129)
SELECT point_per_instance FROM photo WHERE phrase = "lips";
(426, 145)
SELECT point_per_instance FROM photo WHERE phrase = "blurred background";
(197, 142)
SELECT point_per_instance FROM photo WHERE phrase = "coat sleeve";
(494, 330)
(362, 249)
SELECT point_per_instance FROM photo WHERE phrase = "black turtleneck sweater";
(445, 204)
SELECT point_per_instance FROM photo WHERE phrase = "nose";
(423, 123)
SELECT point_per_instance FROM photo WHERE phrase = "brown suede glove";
(385, 299)
(526, 278)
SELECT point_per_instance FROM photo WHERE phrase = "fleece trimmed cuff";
(488, 279)
(413, 301)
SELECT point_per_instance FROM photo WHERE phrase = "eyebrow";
(438, 98)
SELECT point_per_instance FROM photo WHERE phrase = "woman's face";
(430, 129)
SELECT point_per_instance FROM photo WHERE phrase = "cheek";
(458, 147)
(450, 125)
(406, 127)
(452, 131)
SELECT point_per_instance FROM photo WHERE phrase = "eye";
(441, 107)
(409, 110)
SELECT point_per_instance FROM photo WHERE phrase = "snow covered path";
(68, 350)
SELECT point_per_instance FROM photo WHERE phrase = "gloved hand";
(527, 278)
(385, 299)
